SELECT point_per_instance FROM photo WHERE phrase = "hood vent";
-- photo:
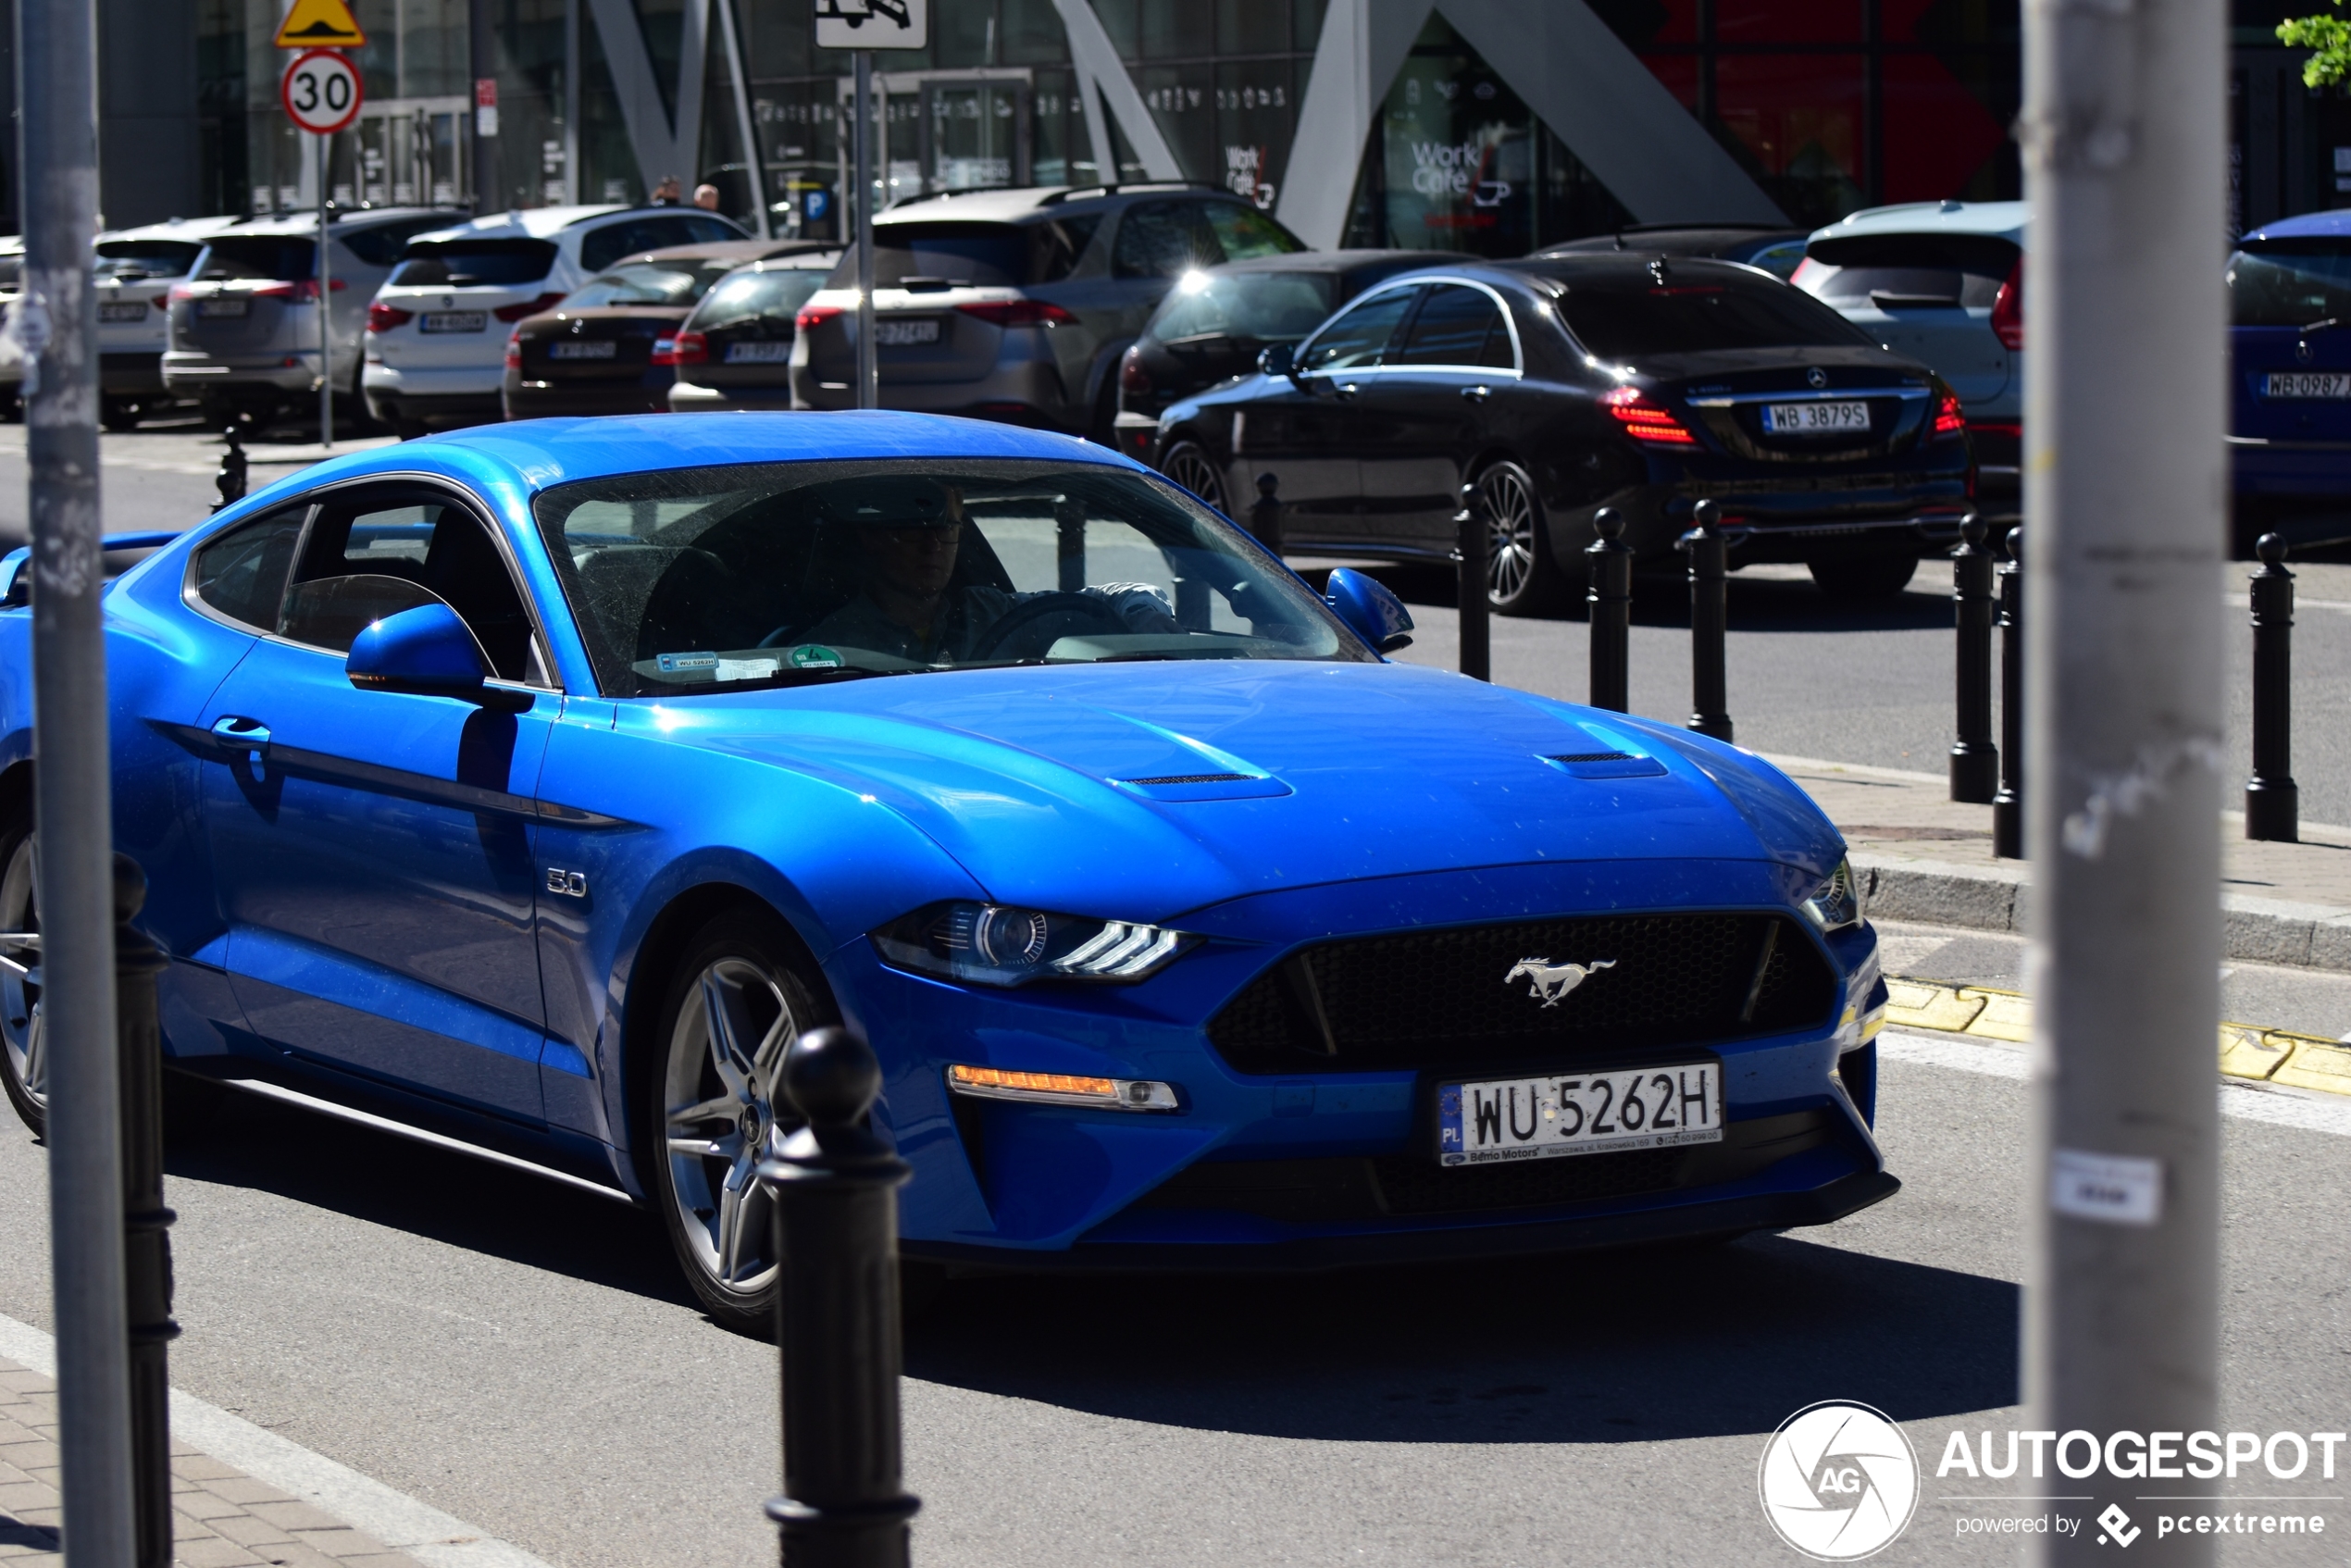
(1606, 764)
(1189, 779)
(1203, 787)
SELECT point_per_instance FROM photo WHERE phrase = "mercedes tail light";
(1948, 418)
(814, 316)
(1132, 377)
(2007, 310)
(1020, 313)
(514, 349)
(382, 318)
(1646, 419)
(685, 348)
(529, 308)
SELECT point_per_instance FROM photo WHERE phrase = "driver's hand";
(1142, 605)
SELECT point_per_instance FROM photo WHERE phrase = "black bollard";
(231, 480)
(1976, 762)
(145, 1222)
(1069, 544)
(2007, 806)
(1709, 619)
(1610, 600)
(2272, 805)
(837, 1317)
(1266, 516)
(1469, 588)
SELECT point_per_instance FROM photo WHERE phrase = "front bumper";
(191, 374)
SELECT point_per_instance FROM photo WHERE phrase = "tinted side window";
(1055, 248)
(243, 573)
(1357, 339)
(1163, 240)
(379, 244)
(988, 256)
(1243, 231)
(608, 244)
(366, 559)
(1456, 326)
(705, 230)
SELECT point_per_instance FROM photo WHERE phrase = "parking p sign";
(873, 24)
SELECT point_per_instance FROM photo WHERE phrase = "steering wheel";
(1044, 621)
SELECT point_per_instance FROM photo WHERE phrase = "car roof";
(1332, 261)
(736, 251)
(2309, 226)
(344, 222)
(532, 223)
(1035, 202)
(190, 228)
(1597, 266)
(2005, 219)
(530, 456)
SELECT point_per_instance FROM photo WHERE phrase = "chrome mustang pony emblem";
(1550, 982)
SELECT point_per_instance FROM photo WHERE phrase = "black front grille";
(1441, 999)
(1422, 1187)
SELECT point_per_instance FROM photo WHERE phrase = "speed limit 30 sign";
(320, 92)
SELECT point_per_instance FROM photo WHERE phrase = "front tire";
(1880, 577)
(1521, 576)
(735, 1004)
(23, 1067)
(1188, 464)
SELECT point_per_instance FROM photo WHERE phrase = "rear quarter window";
(243, 573)
(1693, 316)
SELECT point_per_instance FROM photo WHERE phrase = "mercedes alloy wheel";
(1188, 464)
(733, 1012)
(1520, 577)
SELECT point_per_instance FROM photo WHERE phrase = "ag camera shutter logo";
(1839, 1481)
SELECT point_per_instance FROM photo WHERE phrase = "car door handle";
(242, 734)
(1349, 389)
(1476, 394)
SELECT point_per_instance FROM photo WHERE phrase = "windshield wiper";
(2324, 324)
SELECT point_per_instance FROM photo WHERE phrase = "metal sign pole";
(326, 307)
(58, 93)
(2123, 135)
(868, 360)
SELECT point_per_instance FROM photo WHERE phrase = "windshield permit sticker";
(814, 655)
(746, 669)
(672, 663)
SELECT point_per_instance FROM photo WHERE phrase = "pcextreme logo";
(1839, 1481)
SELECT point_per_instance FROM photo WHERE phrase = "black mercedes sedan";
(1215, 321)
(1562, 385)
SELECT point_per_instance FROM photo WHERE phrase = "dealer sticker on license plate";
(573, 348)
(2306, 383)
(454, 321)
(128, 310)
(764, 354)
(902, 334)
(1815, 418)
(1562, 1114)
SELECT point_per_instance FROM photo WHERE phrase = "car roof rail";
(1088, 192)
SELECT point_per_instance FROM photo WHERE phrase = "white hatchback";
(135, 271)
(437, 329)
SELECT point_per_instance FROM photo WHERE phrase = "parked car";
(1776, 250)
(1943, 283)
(2290, 380)
(136, 269)
(1214, 322)
(244, 327)
(536, 788)
(11, 351)
(609, 347)
(1017, 304)
(1565, 385)
(437, 329)
(735, 350)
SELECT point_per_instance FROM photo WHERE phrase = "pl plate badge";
(1839, 1481)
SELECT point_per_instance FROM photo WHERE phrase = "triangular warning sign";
(320, 24)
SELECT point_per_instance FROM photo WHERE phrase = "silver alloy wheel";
(1189, 467)
(20, 1027)
(1509, 532)
(725, 1055)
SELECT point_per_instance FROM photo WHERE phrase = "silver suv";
(244, 327)
(1017, 304)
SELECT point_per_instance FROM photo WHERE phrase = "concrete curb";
(2257, 930)
(2278, 1057)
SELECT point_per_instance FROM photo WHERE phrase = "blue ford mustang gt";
(535, 786)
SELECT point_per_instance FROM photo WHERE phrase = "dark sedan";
(1214, 322)
(1561, 386)
(735, 350)
(594, 353)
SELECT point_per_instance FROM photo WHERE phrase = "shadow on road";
(1628, 1347)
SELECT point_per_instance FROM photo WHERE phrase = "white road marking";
(399, 1521)
(2245, 1101)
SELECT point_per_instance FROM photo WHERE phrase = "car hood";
(1143, 791)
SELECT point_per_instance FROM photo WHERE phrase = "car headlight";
(995, 944)
(1837, 902)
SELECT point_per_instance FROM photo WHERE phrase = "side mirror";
(1277, 359)
(426, 651)
(1370, 611)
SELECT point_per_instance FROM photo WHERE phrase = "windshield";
(1263, 306)
(133, 259)
(1620, 320)
(2290, 282)
(696, 580)
(646, 282)
(773, 297)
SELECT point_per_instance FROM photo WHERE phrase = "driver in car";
(909, 532)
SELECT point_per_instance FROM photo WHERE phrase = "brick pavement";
(221, 1517)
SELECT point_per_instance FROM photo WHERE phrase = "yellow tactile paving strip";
(2246, 1050)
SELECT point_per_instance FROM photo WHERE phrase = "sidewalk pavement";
(1926, 857)
(221, 1517)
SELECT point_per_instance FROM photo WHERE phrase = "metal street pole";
(325, 308)
(2123, 135)
(482, 38)
(869, 359)
(57, 89)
